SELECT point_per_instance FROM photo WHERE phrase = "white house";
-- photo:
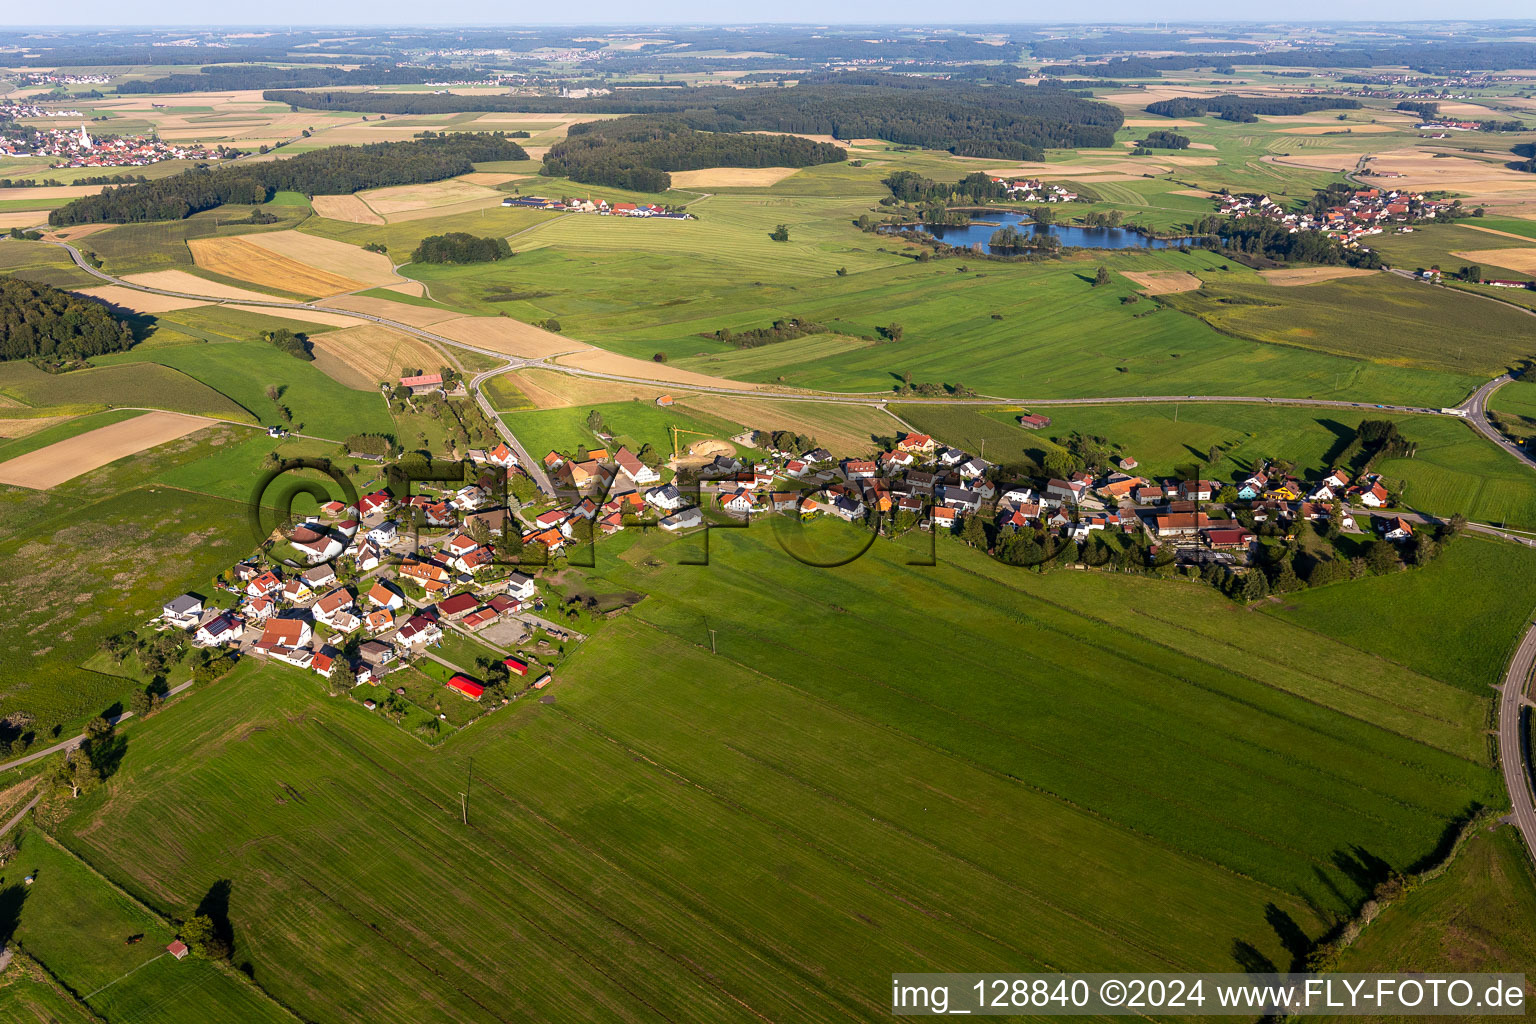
(223, 628)
(688, 517)
(520, 586)
(385, 534)
(666, 497)
(182, 612)
(638, 472)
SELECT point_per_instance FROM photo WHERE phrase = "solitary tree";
(1102, 277)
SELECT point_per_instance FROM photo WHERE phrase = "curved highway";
(1513, 749)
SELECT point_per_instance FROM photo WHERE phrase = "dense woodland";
(41, 322)
(1002, 121)
(220, 77)
(1247, 108)
(332, 171)
(911, 187)
(460, 247)
(1163, 139)
(637, 152)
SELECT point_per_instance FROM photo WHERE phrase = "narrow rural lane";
(16, 818)
(75, 741)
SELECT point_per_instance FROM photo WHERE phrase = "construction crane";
(676, 430)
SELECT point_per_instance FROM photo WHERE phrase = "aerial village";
(1035, 191)
(579, 204)
(1367, 211)
(359, 590)
(77, 148)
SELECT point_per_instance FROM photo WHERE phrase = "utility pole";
(464, 796)
(712, 641)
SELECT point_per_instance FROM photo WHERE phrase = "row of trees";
(1247, 108)
(911, 187)
(782, 329)
(460, 247)
(637, 152)
(38, 321)
(1161, 138)
(220, 77)
(1002, 120)
(333, 171)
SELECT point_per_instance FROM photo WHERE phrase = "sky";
(357, 13)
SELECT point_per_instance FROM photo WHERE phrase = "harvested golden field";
(76, 231)
(1312, 275)
(548, 389)
(306, 316)
(842, 428)
(49, 192)
(361, 357)
(242, 259)
(135, 301)
(401, 312)
(490, 179)
(1162, 282)
(398, 199)
(1518, 259)
(329, 256)
(181, 281)
(347, 208)
(732, 177)
(1417, 169)
(415, 289)
(21, 427)
(507, 336)
(600, 361)
(23, 219)
(452, 209)
(64, 460)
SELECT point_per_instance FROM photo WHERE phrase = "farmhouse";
(457, 606)
(1228, 539)
(1181, 524)
(319, 576)
(418, 632)
(501, 456)
(330, 607)
(915, 444)
(1034, 421)
(1398, 529)
(423, 383)
(638, 472)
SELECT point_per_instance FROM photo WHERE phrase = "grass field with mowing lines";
(243, 370)
(120, 380)
(1383, 318)
(864, 795)
(1029, 330)
(631, 423)
(1454, 620)
(76, 925)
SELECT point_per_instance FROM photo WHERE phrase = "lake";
(1083, 238)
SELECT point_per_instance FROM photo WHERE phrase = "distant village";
(77, 148)
(1366, 212)
(600, 206)
(1035, 191)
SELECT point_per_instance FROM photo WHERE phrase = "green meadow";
(101, 553)
(631, 423)
(121, 380)
(79, 926)
(243, 371)
(938, 753)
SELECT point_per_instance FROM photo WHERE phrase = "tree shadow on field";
(215, 907)
(1250, 959)
(1362, 867)
(1342, 436)
(107, 753)
(11, 899)
(1290, 934)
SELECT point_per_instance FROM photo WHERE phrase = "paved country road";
(1513, 753)
(75, 741)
